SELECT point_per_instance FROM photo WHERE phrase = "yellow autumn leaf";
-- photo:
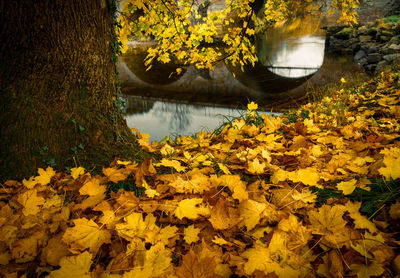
(308, 176)
(135, 227)
(30, 183)
(191, 234)
(30, 202)
(347, 187)
(327, 219)
(77, 171)
(224, 169)
(258, 258)
(74, 266)
(252, 106)
(360, 221)
(392, 161)
(395, 210)
(251, 212)
(45, 175)
(220, 241)
(92, 188)
(171, 164)
(306, 196)
(366, 271)
(191, 208)
(256, 168)
(115, 175)
(86, 234)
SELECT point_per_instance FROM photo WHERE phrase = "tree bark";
(58, 86)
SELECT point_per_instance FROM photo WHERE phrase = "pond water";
(165, 118)
(290, 62)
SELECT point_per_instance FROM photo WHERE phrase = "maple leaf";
(45, 175)
(222, 216)
(153, 263)
(360, 221)
(236, 185)
(251, 212)
(139, 272)
(115, 175)
(86, 234)
(30, 183)
(224, 169)
(191, 234)
(108, 217)
(258, 258)
(298, 235)
(366, 271)
(54, 251)
(347, 187)
(392, 161)
(252, 106)
(31, 202)
(172, 164)
(92, 188)
(220, 241)
(165, 234)
(74, 266)
(77, 171)
(255, 167)
(271, 124)
(327, 219)
(145, 169)
(308, 176)
(395, 210)
(305, 196)
(26, 249)
(135, 226)
(193, 266)
(191, 208)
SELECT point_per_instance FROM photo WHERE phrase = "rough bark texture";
(58, 86)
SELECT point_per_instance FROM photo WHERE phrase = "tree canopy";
(189, 34)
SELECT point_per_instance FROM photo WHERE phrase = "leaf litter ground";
(312, 193)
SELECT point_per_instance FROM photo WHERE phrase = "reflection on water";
(161, 118)
(297, 57)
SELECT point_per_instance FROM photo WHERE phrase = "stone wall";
(374, 44)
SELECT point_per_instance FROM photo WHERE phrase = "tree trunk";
(58, 86)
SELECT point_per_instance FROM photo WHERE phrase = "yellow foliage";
(242, 202)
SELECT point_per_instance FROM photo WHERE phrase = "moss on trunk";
(58, 87)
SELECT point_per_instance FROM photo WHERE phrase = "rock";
(396, 28)
(359, 55)
(374, 58)
(363, 30)
(373, 48)
(384, 38)
(395, 40)
(333, 30)
(384, 25)
(385, 50)
(363, 62)
(381, 64)
(344, 34)
(355, 47)
(395, 47)
(371, 67)
(372, 32)
(391, 57)
(365, 38)
(387, 33)
(336, 45)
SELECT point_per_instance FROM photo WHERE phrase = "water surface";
(161, 118)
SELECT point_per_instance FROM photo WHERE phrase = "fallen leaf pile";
(244, 202)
